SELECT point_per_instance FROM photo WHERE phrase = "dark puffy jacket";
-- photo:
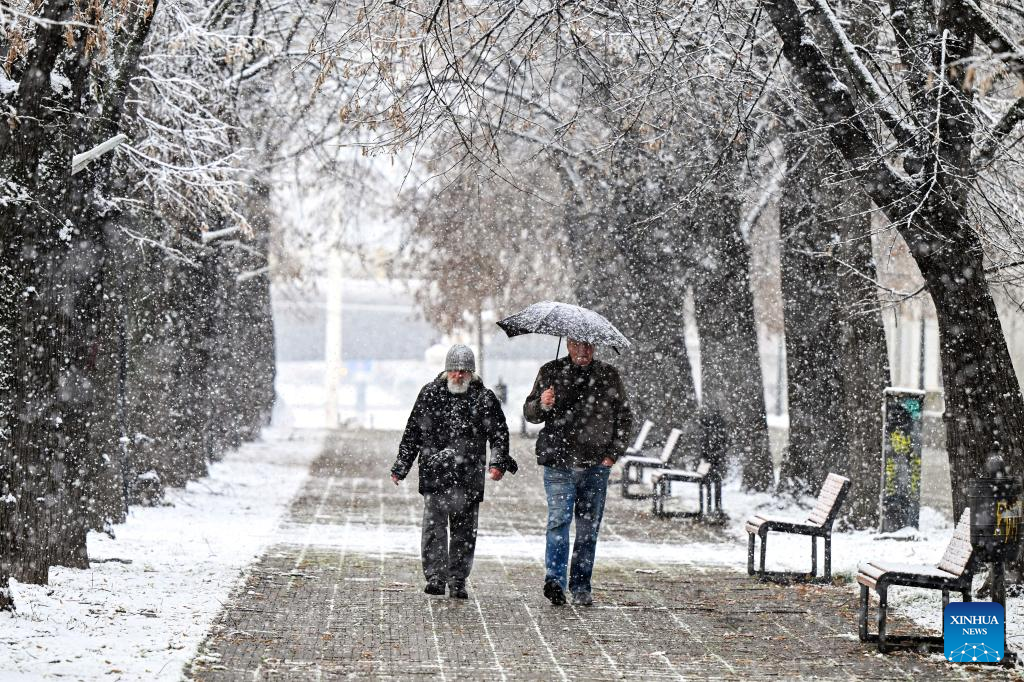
(590, 419)
(449, 434)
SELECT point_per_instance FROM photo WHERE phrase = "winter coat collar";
(565, 364)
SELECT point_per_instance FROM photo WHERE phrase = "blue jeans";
(580, 494)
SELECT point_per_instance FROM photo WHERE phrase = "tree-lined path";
(341, 595)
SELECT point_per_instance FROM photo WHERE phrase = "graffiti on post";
(1008, 520)
(901, 459)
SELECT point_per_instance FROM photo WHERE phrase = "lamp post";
(332, 338)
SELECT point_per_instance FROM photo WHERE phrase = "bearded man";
(453, 420)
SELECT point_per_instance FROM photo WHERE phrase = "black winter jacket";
(449, 434)
(590, 419)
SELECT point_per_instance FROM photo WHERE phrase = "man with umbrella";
(587, 422)
(453, 420)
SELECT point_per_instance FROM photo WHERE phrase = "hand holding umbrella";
(547, 398)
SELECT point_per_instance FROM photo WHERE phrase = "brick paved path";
(334, 599)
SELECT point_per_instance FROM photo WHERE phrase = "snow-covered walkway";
(340, 594)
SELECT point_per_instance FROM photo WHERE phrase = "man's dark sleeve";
(532, 410)
(623, 419)
(412, 439)
(497, 435)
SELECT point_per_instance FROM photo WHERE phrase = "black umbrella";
(564, 319)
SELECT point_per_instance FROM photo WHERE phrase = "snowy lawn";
(145, 619)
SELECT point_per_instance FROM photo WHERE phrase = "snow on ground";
(849, 549)
(145, 619)
(785, 552)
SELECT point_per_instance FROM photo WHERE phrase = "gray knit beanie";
(460, 357)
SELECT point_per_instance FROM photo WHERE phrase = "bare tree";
(476, 243)
(604, 90)
(152, 258)
(936, 200)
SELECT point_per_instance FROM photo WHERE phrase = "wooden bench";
(818, 525)
(954, 572)
(706, 481)
(634, 466)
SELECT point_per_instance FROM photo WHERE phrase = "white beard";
(458, 388)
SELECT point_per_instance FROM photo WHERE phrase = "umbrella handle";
(559, 349)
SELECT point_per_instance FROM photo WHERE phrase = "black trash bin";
(995, 501)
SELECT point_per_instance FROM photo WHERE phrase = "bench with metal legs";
(708, 483)
(953, 573)
(818, 525)
(634, 466)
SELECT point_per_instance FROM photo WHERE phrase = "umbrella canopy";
(564, 319)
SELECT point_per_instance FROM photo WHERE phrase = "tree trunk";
(863, 359)
(31, 461)
(984, 411)
(812, 323)
(984, 407)
(732, 384)
(110, 437)
(200, 317)
(53, 265)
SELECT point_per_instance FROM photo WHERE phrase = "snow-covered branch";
(903, 131)
(80, 161)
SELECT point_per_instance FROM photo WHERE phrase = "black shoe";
(553, 591)
(582, 599)
(458, 591)
(434, 587)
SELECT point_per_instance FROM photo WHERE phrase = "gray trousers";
(444, 560)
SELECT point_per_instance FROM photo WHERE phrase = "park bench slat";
(832, 485)
(645, 460)
(826, 500)
(877, 568)
(868, 574)
(754, 522)
(824, 504)
(871, 570)
(638, 444)
(956, 563)
(830, 491)
(682, 473)
(827, 497)
(866, 580)
(677, 474)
